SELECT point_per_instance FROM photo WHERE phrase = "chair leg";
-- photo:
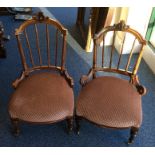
(15, 124)
(77, 120)
(70, 125)
(133, 134)
(94, 75)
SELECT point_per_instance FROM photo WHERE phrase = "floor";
(78, 63)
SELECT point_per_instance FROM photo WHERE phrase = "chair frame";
(37, 19)
(121, 26)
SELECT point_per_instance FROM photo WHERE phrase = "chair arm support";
(84, 79)
(68, 78)
(140, 88)
(18, 80)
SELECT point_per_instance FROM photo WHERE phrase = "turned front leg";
(15, 124)
(77, 120)
(133, 134)
(70, 124)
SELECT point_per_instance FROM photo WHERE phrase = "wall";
(149, 57)
(138, 19)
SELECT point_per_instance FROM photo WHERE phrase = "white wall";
(138, 19)
(149, 57)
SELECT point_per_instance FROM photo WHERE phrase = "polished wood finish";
(130, 56)
(48, 45)
(21, 33)
(132, 74)
(124, 28)
(40, 18)
(112, 49)
(37, 43)
(70, 125)
(23, 59)
(133, 134)
(103, 53)
(77, 120)
(30, 51)
(122, 47)
(56, 48)
(97, 19)
(15, 124)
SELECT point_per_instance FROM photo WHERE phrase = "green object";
(150, 25)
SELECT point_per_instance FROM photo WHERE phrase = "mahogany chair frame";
(38, 19)
(121, 26)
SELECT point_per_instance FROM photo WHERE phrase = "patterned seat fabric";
(111, 102)
(42, 97)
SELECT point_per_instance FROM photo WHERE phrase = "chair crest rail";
(40, 18)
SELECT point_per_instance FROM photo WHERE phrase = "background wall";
(138, 18)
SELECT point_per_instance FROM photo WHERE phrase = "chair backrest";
(123, 38)
(42, 43)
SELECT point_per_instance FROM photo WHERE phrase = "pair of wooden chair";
(44, 91)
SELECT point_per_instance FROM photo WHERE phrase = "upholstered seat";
(42, 97)
(111, 102)
(44, 91)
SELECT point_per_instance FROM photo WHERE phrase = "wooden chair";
(44, 91)
(113, 101)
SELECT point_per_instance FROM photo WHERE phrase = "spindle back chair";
(136, 46)
(28, 49)
(112, 101)
(42, 47)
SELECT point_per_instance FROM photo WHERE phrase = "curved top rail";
(121, 26)
(40, 18)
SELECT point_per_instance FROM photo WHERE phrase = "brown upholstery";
(44, 91)
(108, 100)
(42, 97)
(111, 102)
